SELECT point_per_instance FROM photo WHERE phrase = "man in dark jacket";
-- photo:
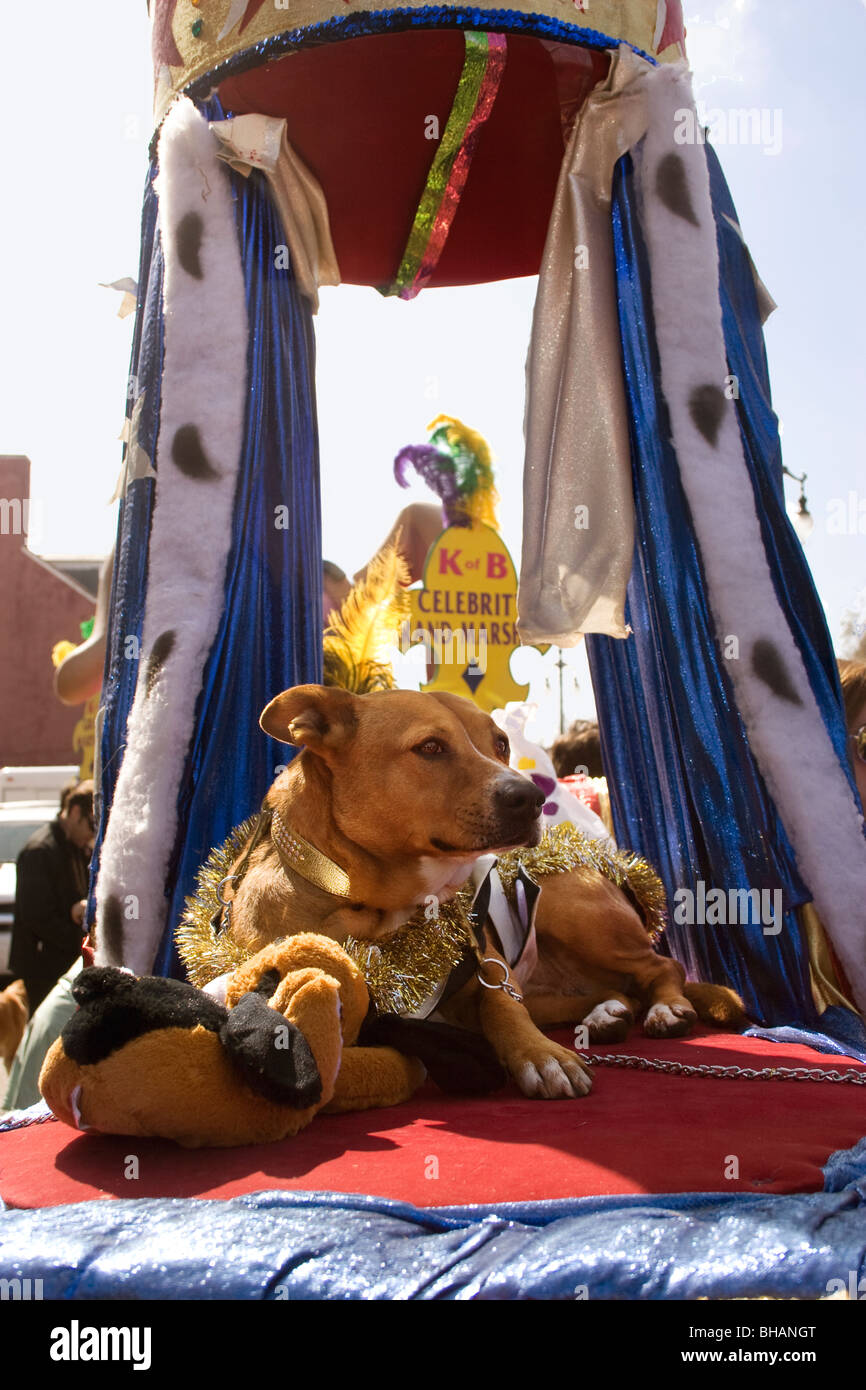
(51, 894)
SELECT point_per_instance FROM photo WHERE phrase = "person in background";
(578, 751)
(576, 756)
(335, 589)
(51, 896)
(853, 677)
(416, 528)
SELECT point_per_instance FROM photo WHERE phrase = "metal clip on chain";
(226, 903)
(503, 984)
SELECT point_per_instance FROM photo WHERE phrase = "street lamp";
(562, 666)
(803, 520)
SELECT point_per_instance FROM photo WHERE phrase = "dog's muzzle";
(517, 803)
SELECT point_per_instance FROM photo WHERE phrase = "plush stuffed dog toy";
(160, 1058)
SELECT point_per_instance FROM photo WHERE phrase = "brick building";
(42, 601)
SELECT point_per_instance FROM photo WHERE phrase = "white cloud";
(723, 44)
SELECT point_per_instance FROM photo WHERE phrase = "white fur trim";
(787, 736)
(203, 385)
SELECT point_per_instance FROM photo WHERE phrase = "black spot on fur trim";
(707, 409)
(159, 654)
(111, 929)
(769, 667)
(672, 186)
(188, 238)
(187, 454)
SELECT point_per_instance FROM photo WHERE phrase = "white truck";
(36, 783)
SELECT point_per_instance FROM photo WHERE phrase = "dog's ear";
(319, 717)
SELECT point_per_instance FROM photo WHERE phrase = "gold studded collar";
(298, 854)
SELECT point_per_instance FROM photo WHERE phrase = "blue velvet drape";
(270, 634)
(685, 789)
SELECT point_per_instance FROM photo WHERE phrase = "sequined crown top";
(198, 42)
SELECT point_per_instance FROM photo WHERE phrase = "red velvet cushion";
(636, 1132)
(356, 114)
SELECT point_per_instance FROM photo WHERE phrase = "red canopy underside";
(637, 1132)
(356, 114)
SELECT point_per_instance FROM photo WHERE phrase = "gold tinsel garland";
(564, 847)
(402, 971)
(206, 953)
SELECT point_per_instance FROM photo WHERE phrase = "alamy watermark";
(760, 126)
(20, 516)
(714, 907)
(20, 1290)
(444, 646)
(77, 1343)
(854, 1287)
(846, 516)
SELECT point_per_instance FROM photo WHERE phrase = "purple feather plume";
(437, 470)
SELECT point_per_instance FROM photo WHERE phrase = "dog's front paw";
(608, 1022)
(669, 1020)
(550, 1072)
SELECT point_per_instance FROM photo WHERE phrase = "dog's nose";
(517, 796)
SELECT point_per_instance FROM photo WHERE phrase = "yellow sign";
(83, 738)
(466, 617)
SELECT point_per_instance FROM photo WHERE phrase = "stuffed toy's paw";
(460, 1063)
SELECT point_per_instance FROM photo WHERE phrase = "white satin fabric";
(260, 142)
(576, 563)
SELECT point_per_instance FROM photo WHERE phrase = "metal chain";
(854, 1076)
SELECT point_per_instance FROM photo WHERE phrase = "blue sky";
(74, 174)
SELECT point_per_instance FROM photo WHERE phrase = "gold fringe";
(564, 847)
(402, 971)
(206, 953)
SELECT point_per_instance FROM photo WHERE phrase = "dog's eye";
(430, 748)
(502, 746)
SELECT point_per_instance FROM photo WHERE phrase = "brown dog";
(14, 1012)
(400, 793)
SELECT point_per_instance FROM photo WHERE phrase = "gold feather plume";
(357, 640)
(479, 498)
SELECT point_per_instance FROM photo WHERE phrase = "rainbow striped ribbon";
(473, 101)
